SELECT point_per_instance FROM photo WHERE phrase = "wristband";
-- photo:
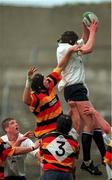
(28, 84)
(33, 148)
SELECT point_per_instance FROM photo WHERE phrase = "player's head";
(10, 125)
(68, 37)
(64, 124)
(37, 83)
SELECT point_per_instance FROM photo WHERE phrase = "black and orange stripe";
(5, 151)
(47, 106)
(108, 155)
(50, 162)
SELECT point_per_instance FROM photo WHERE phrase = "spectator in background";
(6, 150)
(15, 165)
(59, 151)
(76, 93)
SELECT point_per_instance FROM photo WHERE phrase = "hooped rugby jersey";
(5, 151)
(47, 106)
(108, 155)
(58, 152)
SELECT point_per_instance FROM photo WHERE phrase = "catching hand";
(31, 71)
(93, 26)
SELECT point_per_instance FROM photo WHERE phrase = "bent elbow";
(87, 51)
(90, 50)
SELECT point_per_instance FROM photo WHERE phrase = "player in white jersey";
(76, 93)
(15, 165)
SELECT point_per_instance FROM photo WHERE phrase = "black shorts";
(54, 175)
(76, 92)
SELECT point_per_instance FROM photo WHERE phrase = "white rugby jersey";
(15, 165)
(74, 72)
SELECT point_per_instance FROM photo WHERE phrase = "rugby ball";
(88, 17)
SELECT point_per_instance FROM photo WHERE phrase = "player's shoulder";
(4, 138)
(63, 46)
(49, 134)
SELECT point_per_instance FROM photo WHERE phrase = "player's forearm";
(88, 47)
(85, 33)
(27, 96)
(27, 91)
(23, 150)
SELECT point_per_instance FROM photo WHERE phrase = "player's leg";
(97, 131)
(97, 118)
(75, 115)
(101, 122)
(86, 139)
(98, 138)
(87, 119)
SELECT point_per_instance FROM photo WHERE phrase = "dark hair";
(64, 124)
(5, 122)
(68, 37)
(37, 83)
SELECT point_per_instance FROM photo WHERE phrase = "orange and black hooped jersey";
(5, 151)
(108, 155)
(58, 152)
(47, 106)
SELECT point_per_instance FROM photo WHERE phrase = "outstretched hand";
(93, 26)
(31, 71)
(23, 138)
(28, 134)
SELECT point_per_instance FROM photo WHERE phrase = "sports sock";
(86, 145)
(98, 138)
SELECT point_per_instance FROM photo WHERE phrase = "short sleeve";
(55, 75)
(34, 102)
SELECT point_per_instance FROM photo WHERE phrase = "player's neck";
(12, 137)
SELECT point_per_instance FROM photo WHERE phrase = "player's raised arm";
(85, 33)
(88, 47)
(27, 89)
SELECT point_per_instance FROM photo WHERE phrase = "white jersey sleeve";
(28, 143)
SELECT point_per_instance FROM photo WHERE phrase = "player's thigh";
(75, 115)
(87, 119)
(74, 110)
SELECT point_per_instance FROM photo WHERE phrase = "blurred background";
(28, 36)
